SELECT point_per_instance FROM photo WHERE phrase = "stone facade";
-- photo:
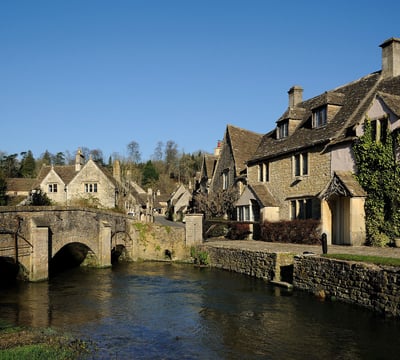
(371, 286)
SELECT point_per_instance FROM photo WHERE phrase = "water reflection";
(157, 310)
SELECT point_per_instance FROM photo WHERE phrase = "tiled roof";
(263, 195)
(354, 99)
(210, 161)
(20, 184)
(65, 172)
(244, 143)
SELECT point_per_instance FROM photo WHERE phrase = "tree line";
(167, 167)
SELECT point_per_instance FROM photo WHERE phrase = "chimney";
(117, 170)
(79, 160)
(217, 150)
(390, 57)
(295, 96)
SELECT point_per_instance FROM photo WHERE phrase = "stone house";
(207, 170)
(304, 168)
(179, 202)
(230, 170)
(71, 184)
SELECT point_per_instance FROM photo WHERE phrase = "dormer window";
(319, 117)
(283, 129)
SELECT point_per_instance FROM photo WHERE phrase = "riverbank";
(376, 287)
(39, 343)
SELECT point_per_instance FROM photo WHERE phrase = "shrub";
(238, 231)
(293, 231)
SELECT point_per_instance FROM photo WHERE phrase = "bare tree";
(134, 152)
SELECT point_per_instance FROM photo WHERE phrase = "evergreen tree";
(28, 165)
(149, 175)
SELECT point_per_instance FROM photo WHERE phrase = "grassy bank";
(377, 260)
(31, 343)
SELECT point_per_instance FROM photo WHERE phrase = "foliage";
(216, 204)
(27, 167)
(379, 174)
(305, 231)
(3, 190)
(200, 257)
(365, 258)
(39, 198)
(239, 231)
(149, 174)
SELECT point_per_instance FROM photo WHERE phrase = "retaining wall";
(371, 286)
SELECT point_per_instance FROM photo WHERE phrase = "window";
(52, 188)
(301, 209)
(263, 172)
(300, 164)
(283, 129)
(91, 187)
(319, 117)
(379, 129)
(225, 179)
(244, 213)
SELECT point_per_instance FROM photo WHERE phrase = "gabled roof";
(343, 183)
(263, 195)
(391, 101)
(243, 145)
(65, 172)
(354, 100)
(209, 165)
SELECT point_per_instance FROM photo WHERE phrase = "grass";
(36, 352)
(377, 260)
(19, 343)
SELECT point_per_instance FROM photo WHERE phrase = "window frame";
(320, 117)
(300, 164)
(263, 172)
(283, 129)
(90, 187)
(52, 188)
(301, 209)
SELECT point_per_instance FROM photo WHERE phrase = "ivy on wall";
(379, 175)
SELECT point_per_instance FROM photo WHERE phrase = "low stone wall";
(259, 264)
(371, 286)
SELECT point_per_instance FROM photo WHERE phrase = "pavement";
(254, 245)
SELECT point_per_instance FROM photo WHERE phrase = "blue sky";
(101, 74)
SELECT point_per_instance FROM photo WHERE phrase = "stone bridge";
(37, 237)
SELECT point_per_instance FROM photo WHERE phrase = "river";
(176, 311)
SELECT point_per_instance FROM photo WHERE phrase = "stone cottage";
(304, 167)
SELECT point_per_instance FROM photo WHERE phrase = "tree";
(158, 152)
(59, 159)
(27, 165)
(134, 152)
(217, 203)
(9, 166)
(39, 198)
(171, 156)
(97, 156)
(379, 175)
(46, 158)
(3, 190)
(149, 174)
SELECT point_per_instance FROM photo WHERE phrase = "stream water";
(175, 311)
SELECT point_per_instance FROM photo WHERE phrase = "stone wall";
(259, 264)
(374, 287)
(371, 286)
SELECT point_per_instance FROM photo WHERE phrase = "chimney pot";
(295, 96)
(390, 57)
